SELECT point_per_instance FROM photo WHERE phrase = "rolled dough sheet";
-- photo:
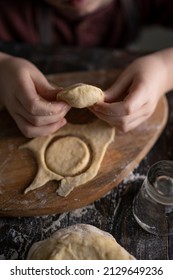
(91, 141)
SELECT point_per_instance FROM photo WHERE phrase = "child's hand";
(134, 96)
(29, 98)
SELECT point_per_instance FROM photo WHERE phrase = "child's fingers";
(34, 104)
(119, 88)
(136, 99)
(112, 109)
(38, 106)
(138, 95)
(44, 88)
(131, 125)
(125, 122)
(31, 131)
(41, 120)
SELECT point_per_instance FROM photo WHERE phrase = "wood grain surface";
(18, 167)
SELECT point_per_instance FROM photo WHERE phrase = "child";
(28, 96)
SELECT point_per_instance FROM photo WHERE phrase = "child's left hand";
(134, 96)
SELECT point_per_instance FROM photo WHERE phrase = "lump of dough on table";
(81, 95)
(79, 242)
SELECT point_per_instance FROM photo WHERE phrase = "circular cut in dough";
(81, 95)
(79, 242)
(67, 156)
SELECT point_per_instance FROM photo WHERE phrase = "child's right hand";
(29, 97)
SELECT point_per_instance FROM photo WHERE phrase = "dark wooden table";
(112, 213)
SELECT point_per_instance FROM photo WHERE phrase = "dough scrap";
(96, 137)
(81, 95)
(79, 242)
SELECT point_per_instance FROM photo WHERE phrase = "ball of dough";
(81, 95)
(79, 242)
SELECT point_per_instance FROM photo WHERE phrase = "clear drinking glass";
(153, 204)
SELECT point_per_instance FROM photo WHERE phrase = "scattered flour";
(132, 177)
(2, 168)
(54, 224)
(78, 213)
(11, 147)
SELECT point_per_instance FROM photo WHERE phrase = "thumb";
(50, 93)
(119, 89)
(45, 89)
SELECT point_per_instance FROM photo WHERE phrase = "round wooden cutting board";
(18, 167)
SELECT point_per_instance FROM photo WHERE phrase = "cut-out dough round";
(81, 95)
(67, 156)
(79, 242)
